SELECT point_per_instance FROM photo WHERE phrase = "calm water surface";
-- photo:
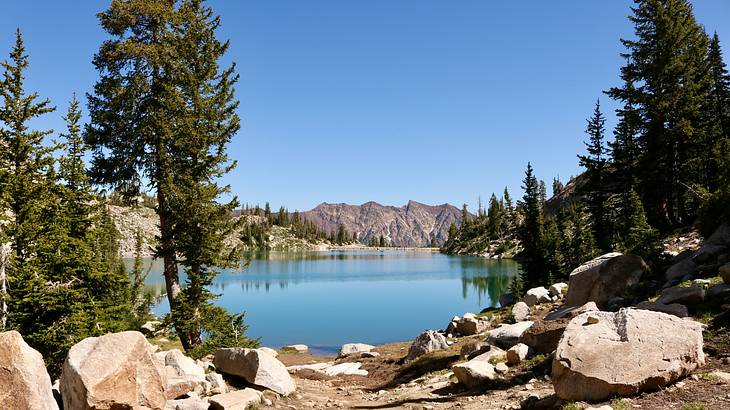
(325, 299)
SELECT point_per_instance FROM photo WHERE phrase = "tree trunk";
(4, 256)
(172, 278)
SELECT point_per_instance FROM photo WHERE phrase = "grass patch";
(697, 405)
(572, 406)
(708, 377)
(498, 359)
(621, 404)
(535, 360)
(167, 342)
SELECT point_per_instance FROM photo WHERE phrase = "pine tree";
(530, 232)
(495, 218)
(638, 236)
(595, 165)
(666, 78)
(206, 123)
(132, 109)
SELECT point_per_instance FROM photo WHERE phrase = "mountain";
(414, 224)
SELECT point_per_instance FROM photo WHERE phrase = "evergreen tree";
(206, 123)
(666, 78)
(530, 232)
(495, 218)
(595, 165)
(133, 111)
(638, 236)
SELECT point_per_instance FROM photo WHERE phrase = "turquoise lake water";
(325, 299)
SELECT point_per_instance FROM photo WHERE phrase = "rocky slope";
(414, 224)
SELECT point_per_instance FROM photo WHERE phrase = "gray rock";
(506, 299)
(352, 348)
(190, 403)
(255, 367)
(569, 312)
(680, 269)
(718, 291)
(184, 366)
(236, 400)
(426, 342)
(685, 295)
(296, 348)
(217, 383)
(507, 336)
(345, 369)
(517, 353)
(501, 368)
(672, 309)
(474, 373)
(520, 311)
(535, 296)
(558, 289)
(24, 381)
(471, 325)
(625, 353)
(269, 350)
(489, 355)
(151, 328)
(604, 278)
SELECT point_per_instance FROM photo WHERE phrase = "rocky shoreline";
(612, 336)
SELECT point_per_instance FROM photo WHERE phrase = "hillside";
(414, 224)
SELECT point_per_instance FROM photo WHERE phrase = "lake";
(326, 299)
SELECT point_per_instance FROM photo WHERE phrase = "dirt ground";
(428, 383)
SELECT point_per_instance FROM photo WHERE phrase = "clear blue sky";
(350, 101)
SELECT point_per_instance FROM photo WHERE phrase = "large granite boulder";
(714, 245)
(569, 312)
(256, 367)
(507, 336)
(604, 278)
(426, 342)
(604, 354)
(24, 381)
(116, 370)
(558, 289)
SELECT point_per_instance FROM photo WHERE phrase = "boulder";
(569, 312)
(718, 291)
(491, 354)
(558, 289)
(345, 369)
(714, 245)
(474, 373)
(190, 403)
(24, 381)
(269, 351)
(236, 400)
(426, 342)
(680, 270)
(151, 328)
(685, 295)
(507, 336)
(501, 368)
(624, 353)
(725, 273)
(217, 383)
(517, 353)
(184, 366)
(116, 370)
(506, 299)
(604, 278)
(351, 348)
(471, 325)
(672, 309)
(536, 295)
(520, 311)
(296, 348)
(543, 336)
(255, 367)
